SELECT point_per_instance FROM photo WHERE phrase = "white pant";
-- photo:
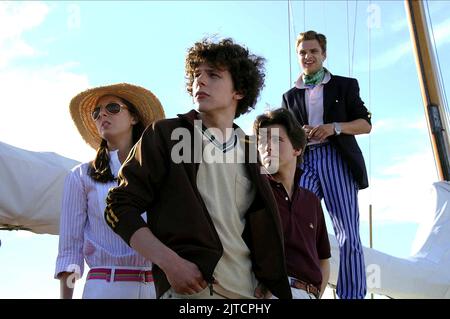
(102, 289)
(204, 294)
(301, 294)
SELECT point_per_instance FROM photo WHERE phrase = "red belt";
(295, 283)
(120, 275)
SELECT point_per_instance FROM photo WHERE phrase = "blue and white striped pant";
(328, 176)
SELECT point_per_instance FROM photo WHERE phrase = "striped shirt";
(84, 234)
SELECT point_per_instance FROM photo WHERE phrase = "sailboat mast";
(430, 86)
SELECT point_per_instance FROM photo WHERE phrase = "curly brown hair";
(246, 69)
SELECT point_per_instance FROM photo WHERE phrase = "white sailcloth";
(425, 274)
(31, 186)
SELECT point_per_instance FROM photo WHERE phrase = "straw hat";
(82, 105)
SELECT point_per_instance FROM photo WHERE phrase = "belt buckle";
(316, 293)
(142, 276)
(293, 283)
(110, 275)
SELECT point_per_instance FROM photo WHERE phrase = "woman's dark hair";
(246, 69)
(284, 118)
(99, 169)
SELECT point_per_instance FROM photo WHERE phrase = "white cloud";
(34, 100)
(442, 32)
(35, 113)
(395, 54)
(402, 192)
(389, 125)
(15, 19)
(13, 49)
(388, 58)
(399, 25)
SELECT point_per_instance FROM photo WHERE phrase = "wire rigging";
(441, 79)
(369, 66)
(354, 37)
(289, 41)
(304, 15)
(348, 39)
(327, 61)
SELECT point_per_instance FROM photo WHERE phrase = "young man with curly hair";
(213, 228)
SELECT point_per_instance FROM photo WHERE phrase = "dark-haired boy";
(213, 229)
(282, 140)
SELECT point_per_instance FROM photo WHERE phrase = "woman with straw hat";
(110, 119)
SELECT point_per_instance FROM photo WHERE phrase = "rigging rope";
(292, 19)
(304, 15)
(369, 106)
(348, 41)
(289, 42)
(354, 37)
(327, 61)
(370, 98)
(351, 51)
(441, 78)
(291, 25)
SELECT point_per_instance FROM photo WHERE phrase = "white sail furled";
(31, 186)
(425, 274)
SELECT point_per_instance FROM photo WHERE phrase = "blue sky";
(49, 51)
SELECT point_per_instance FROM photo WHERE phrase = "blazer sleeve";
(139, 180)
(355, 106)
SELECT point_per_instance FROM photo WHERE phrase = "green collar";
(314, 79)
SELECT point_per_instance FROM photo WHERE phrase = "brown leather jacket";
(150, 181)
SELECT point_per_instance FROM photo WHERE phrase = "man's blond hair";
(312, 35)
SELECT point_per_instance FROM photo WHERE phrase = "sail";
(31, 189)
(426, 273)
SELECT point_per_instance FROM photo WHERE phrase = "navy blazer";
(341, 103)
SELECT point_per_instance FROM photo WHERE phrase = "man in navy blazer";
(331, 111)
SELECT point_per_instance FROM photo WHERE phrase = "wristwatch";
(337, 128)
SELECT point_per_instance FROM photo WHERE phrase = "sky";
(50, 51)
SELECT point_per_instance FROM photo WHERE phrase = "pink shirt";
(84, 234)
(314, 101)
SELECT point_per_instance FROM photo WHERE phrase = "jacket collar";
(190, 116)
(245, 140)
(193, 115)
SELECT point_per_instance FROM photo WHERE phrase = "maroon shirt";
(305, 232)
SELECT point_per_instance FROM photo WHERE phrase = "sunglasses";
(111, 108)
